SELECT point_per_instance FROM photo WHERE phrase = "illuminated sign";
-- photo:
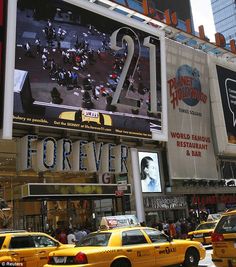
(92, 70)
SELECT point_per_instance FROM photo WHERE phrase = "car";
(203, 232)
(30, 249)
(224, 240)
(87, 116)
(128, 246)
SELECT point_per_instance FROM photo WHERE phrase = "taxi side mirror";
(169, 238)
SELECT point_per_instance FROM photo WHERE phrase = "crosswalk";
(207, 262)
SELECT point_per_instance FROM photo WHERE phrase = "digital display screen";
(76, 69)
(149, 172)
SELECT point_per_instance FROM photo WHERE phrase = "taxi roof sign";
(111, 222)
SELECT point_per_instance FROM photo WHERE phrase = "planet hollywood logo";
(186, 86)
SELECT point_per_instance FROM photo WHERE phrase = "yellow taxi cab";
(30, 249)
(125, 244)
(203, 232)
(224, 241)
(89, 116)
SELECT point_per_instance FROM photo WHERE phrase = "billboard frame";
(7, 125)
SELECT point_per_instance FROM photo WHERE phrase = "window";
(100, 239)
(227, 224)
(206, 226)
(43, 241)
(21, 242)
(156, 236)
(133, 237)
(2, 238)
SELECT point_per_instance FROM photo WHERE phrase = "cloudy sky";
(202, 15)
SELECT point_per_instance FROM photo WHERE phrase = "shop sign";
(121, 181)
(65, 190)
(213, 199)
(65, 155)
(119, 192)
(164, 203)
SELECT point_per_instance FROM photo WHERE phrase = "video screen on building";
(76, 69)
(227, 85)
(149, 172)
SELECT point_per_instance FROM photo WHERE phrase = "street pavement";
(207, 262)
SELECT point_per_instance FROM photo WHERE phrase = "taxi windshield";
(206, 226)
(227, 224)
(95, 239)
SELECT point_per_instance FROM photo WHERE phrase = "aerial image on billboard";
(76, 69)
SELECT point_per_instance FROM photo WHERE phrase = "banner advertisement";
(190, 147)
(78, 67)
(223, 95)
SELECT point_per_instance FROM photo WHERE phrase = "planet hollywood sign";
(65, 155)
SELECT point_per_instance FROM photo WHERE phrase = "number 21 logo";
(127, 39)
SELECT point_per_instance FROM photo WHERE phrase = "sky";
(202, 15)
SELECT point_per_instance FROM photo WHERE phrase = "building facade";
(101, 101)
(224, 13)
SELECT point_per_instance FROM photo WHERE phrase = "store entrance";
(48, 215)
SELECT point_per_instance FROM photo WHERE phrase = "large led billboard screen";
(83, 67)
(223, 95)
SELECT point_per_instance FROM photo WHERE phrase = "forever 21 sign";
(128, 37)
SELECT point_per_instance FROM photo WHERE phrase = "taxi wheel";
(121, 262)
(191, 258)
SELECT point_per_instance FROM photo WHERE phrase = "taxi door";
(137, 249)
(22, 250)
(166, 252)
(43, 246)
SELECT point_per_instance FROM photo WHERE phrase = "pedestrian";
(184, 229)
(38, 45)
(172, 229)
(79, 234)
(71, 239)
(62, 236)
(28, 51)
